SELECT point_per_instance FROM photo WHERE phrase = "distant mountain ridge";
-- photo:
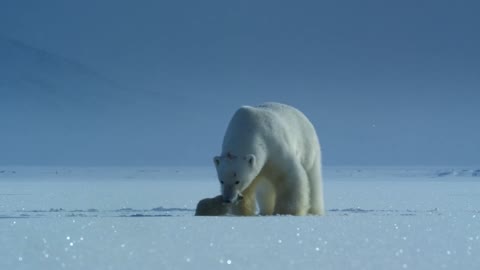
(27, 72)
(54, 110)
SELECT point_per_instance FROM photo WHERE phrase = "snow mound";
(458, 172)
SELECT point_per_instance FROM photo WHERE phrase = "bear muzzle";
(232, 199)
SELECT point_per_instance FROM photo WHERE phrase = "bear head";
(235, 174)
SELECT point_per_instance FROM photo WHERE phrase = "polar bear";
(212, 207)
(271, 157)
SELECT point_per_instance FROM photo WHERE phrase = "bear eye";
(234, 174)
(238, 182)
(221, 182)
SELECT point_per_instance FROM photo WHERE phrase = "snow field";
(147, 222)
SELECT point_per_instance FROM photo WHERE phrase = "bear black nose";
(227, 201)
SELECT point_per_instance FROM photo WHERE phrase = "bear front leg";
(245, 207)
(293, 193)
(248, 205)
(265, 198)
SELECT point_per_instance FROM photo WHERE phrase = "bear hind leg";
(316, 191)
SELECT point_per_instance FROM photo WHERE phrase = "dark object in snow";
(444, 173)
(212, 207)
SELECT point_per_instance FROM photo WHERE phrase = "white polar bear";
(271, 156)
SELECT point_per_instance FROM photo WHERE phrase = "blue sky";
(384, 82)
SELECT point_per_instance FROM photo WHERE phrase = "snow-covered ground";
(142, 218)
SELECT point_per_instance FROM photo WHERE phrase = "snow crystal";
(362, 229)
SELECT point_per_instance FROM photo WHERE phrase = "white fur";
(271, 156)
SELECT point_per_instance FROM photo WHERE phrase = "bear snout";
(229, 194)
(233, 198)
(228, 197)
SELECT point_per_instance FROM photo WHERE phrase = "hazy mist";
(155, 82)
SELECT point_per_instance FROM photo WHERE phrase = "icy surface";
(142, 218)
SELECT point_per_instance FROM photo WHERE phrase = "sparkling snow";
(142, 218)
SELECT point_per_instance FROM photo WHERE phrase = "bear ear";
(251, 160)
(216, 160)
